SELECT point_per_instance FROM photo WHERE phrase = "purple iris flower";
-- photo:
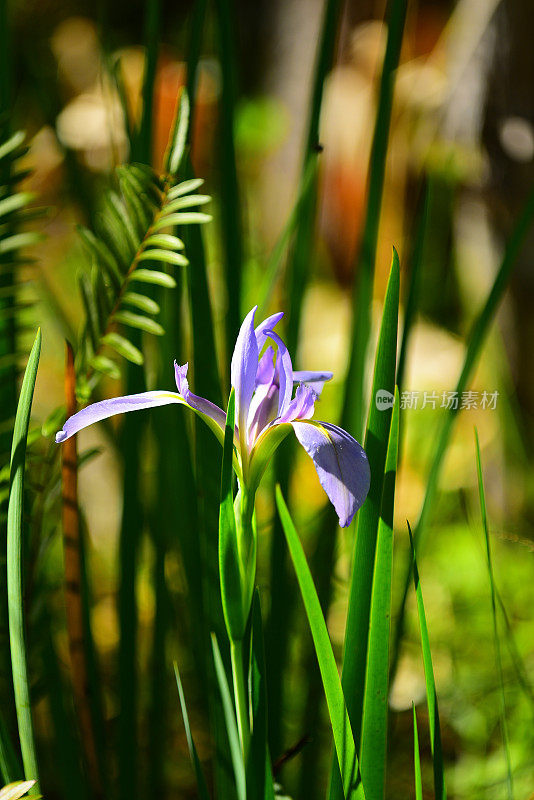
(266, 410)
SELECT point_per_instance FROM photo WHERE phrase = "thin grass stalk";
(496, 638)
(231, 216)
(415, 263)
(417, 759)
(73, 584)
(152, 34)
(206, 459)
(440, 791)
(363, 563)
(353, 413)
(298, 270)
(15, 575)
(132, 432)
(475, 343)
(373, 755)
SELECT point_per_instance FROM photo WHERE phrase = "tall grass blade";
(496, 638)
(230, 720)
(258, 769)
(363, 564)
(231, 219)
(373, 754)
(417, 759)
(341, 727)
(195, 761)
(15, 576)
(298, 273)
(431, 696)
(416, 262)
(353, 406)
(152, 27)
(474, 347)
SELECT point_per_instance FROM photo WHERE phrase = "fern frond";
(125, 254)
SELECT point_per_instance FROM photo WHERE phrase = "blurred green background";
(463, 127)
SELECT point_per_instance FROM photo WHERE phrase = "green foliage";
(127, 241)
(347, 756)
(15, 568)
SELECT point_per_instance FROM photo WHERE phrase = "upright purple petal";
(267, 325)
(314, 379)
(263, 410)
(341, 465)
(243, 369)
(117, 405)
(265, 372)
(285, 373)
(200, 404)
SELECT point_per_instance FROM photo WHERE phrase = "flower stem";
(240, 693)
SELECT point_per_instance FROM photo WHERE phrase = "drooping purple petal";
(243, 369)
(284, 370)
(200, 404)
(302, 405)
(314, 379)
(341, 465)
(117, 405)
(267, 325)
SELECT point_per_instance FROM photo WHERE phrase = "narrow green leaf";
(353, 404)
(141, 301)
(376, 442)
(373, 753)
(104, 257)
(229, 570)
(182, 218)
(15, 549)
(259, 774)
(164, 240)
(416, 262)
(195, 761)
(106, 366)
(496, 639)
(186, 201)
(167, 256)
(152, 276)
(7, 148)
(14, 202)
(123, 347)
(20, 240)
(341, 727)
(179, 137)
(431, 696)
(230, 720)
(91, 311)
(184, 188)
(417, 759)
(138, 321)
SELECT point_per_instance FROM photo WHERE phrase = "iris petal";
(267, 325)
(314, 379)
(117, 405)
(205, 407)
(341, 465)
(243, 369)
(285, 373)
